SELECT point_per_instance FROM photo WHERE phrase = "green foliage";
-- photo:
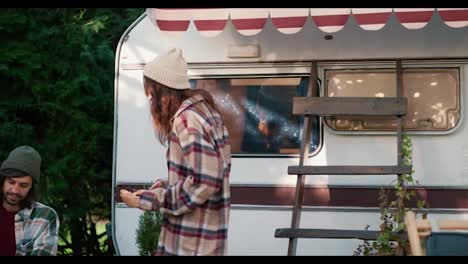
(57, 83)
(392, 212)
(147, 233)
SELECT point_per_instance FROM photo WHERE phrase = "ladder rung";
(349, 170)
(332, 233)
(350, 106)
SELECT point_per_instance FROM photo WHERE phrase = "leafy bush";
(147, 234)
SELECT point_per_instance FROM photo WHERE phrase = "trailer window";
(258, 113)
(433, 97)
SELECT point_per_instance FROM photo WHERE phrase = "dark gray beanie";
(22, 161)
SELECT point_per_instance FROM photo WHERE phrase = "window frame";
(391, 65)
(257, 70)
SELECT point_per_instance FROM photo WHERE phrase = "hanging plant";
(392, 212)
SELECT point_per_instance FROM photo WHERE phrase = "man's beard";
(13, 199)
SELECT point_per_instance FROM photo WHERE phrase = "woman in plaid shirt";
(195, 200)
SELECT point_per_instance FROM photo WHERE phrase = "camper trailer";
(253, 62)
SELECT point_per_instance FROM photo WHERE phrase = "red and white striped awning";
(250, 21)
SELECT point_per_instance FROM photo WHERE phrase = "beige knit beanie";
(169, 69)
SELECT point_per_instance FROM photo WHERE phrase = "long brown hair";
(165, 102)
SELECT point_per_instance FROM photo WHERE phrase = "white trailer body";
(265, 61)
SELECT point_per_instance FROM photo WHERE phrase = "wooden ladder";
(335, 106)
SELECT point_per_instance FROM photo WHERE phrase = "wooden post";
(305, 147)
(399, 117)
(413, 236)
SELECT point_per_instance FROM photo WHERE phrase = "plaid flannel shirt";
(36, 231)
(196, 202)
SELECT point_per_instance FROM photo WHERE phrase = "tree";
(57, 77)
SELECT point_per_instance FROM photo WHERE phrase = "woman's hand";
(159, 183)
(129, 198)
(139, 192)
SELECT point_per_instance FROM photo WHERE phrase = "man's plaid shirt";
(36, 231)
(197, 200)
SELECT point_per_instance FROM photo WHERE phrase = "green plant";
(147, 233)
(392, 212)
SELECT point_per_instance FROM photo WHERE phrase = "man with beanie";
(195, 199)
(27, 227)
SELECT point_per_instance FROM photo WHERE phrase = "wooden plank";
(349, 106)
(447, 224)
(360, 117)
(332, 234)
(348, 170)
